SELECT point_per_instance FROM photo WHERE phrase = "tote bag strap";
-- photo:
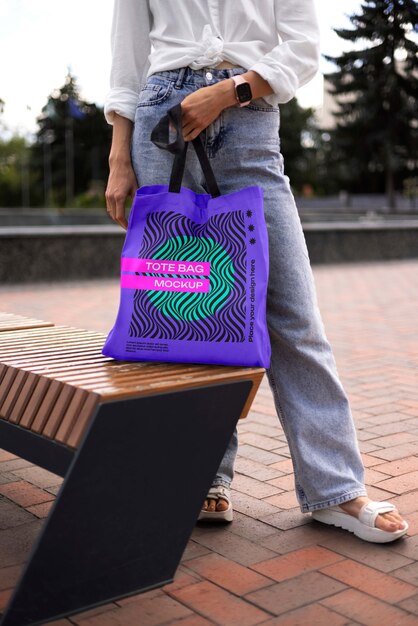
(160, 136)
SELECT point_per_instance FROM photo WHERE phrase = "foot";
(215, 505)
(391, 521)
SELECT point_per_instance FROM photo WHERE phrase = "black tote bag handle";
(160, 136)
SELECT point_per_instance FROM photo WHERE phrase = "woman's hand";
(121, 184)
(203, 106)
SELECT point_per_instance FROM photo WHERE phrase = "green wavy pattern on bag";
(195, 306)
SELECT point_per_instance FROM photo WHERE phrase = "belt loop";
(179, 82)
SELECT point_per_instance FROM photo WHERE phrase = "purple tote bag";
(194, 269)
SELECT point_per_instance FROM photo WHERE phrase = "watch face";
(244, 92)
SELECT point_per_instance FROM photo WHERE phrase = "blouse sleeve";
(295, 60)
(130, 47)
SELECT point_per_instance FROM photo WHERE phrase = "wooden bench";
(138, 445)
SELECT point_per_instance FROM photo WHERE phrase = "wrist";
(120, 159)
(225, 89)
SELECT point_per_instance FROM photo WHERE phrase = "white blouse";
(278, 39)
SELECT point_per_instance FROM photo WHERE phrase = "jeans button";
(209, 75)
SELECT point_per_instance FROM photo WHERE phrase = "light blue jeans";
(243, 145)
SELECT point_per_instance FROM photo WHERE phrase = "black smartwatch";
(243, 91)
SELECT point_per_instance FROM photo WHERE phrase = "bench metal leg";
(129, 502)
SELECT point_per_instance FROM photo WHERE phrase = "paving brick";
(408, 546)
(286, 482)
(298, 537)
(256, 470)
(38, 476)
(4, 598)
(367, 610)
(297, 562)
(285, 466)
(265, 409)
(255, 488)
(295, 592)
(98, 610)
(145, 611)
(368, 553)
(373, 476)
(6, 456)
(401, 466)
(9, 576)
(257, 454)
(15, 543)
(285, 500)
(287, 519)
(234, 547)
(259, 441)
(24, 494)
(310, 615)
(192, 620)
(411, 605)
(12, 515)
(228, 574)
(219, 605)
(41, 510)
(261, 429)
(251, 506)
(393, 453)
(14, 464)
(7, 477)
(377, 584)
(183, 577)
(250, 528)
(409, 573)
(375, 493)
(400, 484)
(193, 550)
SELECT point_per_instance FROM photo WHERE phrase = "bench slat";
(11, 321)
(53, 377)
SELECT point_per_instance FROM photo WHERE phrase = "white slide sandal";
(363, 526)
(215, 493)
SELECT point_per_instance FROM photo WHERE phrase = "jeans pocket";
(155, 91)
(260, 104)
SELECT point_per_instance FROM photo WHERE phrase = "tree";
(71, 146)
(14, 173)
(376, 88)
(298, 145)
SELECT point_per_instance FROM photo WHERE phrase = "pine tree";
(71, 146)
(376, 88)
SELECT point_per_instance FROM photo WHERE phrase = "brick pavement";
(272, 565)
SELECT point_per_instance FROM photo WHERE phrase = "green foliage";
(299, 144)
(13, 166)
(374, 144)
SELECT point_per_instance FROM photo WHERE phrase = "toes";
(389, 522)
(222, 505)
(212, 505)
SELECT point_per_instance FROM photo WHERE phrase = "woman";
(231, 64)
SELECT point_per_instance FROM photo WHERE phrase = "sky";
(41, 39)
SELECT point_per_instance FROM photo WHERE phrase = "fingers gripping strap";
(160, 137)
(371, 510)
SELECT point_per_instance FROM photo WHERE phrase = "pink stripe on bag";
(157, 266)
(160, 283)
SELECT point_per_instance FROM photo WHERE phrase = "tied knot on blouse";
(210, 47)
